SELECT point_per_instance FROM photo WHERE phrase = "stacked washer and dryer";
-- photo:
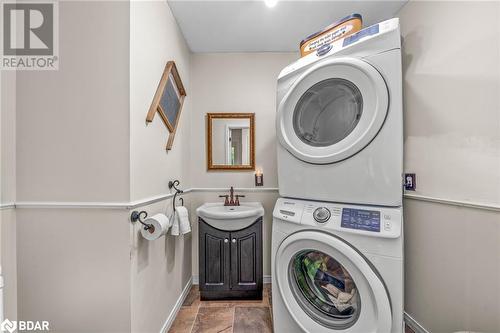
(337, 252)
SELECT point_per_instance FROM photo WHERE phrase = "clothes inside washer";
(326, 283)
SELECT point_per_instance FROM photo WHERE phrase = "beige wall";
(7, 136)
(72, 137)
(154, 40)
(236, 82)
(88, 269)
(452, 99)
(452, 142)
(452, 271)
(8, 261)
(242, 82)
(73, 124)
(74, 269)
(8, 191)
(159, 269)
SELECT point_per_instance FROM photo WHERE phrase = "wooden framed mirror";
(230, 141)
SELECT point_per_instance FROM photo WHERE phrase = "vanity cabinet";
(230, 262)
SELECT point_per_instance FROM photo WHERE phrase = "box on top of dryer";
(342, 28)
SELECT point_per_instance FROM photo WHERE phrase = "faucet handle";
(226, 201)
(237, 201)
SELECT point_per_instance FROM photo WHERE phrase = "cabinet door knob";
(226, 240)
(234, 240)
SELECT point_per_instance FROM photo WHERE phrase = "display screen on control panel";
(368, 220)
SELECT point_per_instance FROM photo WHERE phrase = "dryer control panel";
(365, 220)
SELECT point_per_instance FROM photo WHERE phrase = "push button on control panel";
(321, 214)
(387, 225)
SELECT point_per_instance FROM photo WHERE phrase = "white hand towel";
(183, 219)
(174, 231)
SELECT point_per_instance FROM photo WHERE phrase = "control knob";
(321, 214)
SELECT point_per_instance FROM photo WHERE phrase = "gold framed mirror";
(230, 141)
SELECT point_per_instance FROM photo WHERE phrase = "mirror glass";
(230, 138)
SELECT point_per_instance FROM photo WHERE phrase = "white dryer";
(340, 123)
(336, 268)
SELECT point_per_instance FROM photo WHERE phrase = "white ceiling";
(250, 26)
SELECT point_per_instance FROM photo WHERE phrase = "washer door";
(332, 111)
(328, 286)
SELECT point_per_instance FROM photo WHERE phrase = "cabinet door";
(246, 258)
(214, 258)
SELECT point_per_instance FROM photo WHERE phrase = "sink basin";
(230, 217)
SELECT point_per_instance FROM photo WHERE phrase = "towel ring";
(174, 184)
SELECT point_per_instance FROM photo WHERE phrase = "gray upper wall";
(73, 123)
(451, 79)
(452, 141)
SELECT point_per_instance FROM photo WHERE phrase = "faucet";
(230, 201)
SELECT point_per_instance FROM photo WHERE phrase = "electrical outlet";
(259, 180)
(410, 181)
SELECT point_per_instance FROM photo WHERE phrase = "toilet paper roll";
(160, 223)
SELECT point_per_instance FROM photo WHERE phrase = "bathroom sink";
(230, 217)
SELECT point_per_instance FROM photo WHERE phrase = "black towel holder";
(173, 184)
(136, 216)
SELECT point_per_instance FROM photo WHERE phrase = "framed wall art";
(168, 101)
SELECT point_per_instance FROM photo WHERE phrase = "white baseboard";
(266, 279)
(171, 317)
(414, 325)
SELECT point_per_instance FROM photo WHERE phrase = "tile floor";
(196, 316)
(243, 316)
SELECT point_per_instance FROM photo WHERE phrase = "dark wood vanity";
(230, 262)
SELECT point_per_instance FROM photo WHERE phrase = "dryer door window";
(327, 112)
(325, 289)
(332, 111)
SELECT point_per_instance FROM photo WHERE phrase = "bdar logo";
(8, 326)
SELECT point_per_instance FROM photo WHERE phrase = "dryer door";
(332, 111)
(328, 286)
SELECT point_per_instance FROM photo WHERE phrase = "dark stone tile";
(214, 320)
(252, 319)
(184, 320)
(192, 297)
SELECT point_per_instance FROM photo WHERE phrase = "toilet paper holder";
(136, 216)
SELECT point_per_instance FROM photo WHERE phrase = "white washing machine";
(337, 268)
(340, 123)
